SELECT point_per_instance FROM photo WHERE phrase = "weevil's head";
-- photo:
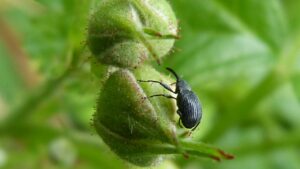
(182, 85)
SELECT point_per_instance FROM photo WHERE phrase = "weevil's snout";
(182, 85)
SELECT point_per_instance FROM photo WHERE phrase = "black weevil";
(189, 107)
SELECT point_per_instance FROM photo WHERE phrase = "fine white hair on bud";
(130, 124)
(126, 33)
(122, 36)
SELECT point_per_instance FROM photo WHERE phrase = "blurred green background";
(240, 56)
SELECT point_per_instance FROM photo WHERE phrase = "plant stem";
(18, 55)
(26, 109)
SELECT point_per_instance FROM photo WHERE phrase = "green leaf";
(266, 24)
(238, 52)
(49, 34)
(225, 38)
(222, 57)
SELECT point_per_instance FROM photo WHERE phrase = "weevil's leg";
(162, 84)
(173, 83)
(186, 155)
(179, 113)
(196, 126)
(179, 121)
(185, 134)
(163, 95)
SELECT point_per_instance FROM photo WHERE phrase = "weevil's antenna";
(174, 73)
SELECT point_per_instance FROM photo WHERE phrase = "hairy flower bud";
(131, 124)
(125, 33)
(122, 35)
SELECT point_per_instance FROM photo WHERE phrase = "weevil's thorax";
(182, 85)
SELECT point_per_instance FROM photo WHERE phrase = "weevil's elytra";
(189, 107)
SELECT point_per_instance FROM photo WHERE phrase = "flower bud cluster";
(123, 36)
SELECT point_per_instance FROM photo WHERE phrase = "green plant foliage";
(240, 56)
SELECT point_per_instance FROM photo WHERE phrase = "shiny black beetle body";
(189, 107)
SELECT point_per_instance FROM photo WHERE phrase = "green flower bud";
(138, 129)
(125, 33)
(131, 124)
